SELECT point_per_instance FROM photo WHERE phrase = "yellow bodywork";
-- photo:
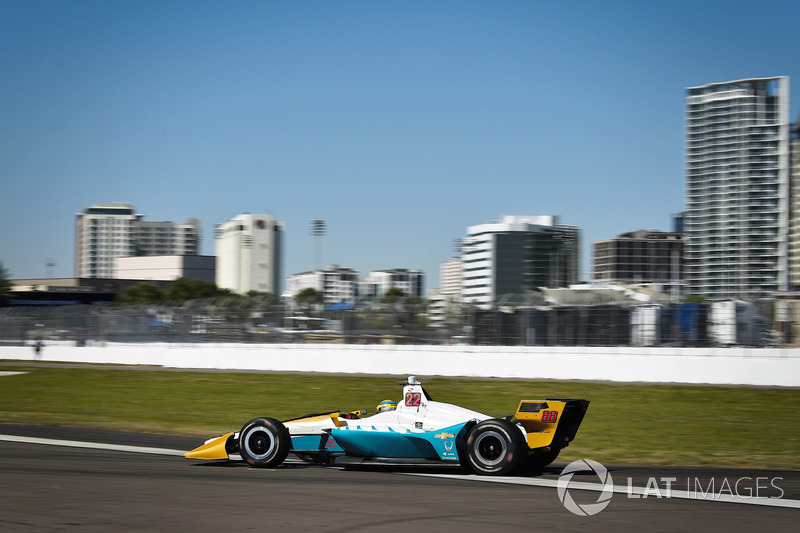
(540, 419)
(334, 417)
(214, 449)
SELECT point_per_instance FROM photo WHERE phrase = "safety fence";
(724, 323)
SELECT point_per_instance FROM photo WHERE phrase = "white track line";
(548, 483)
(92, 445)
(638, 491)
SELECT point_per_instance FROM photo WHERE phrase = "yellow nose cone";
(214, 449)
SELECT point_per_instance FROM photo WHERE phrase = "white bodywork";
(408, 417)
(415, 413)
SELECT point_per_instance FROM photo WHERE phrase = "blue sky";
(400, 122)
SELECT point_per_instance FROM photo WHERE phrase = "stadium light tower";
(318, 227)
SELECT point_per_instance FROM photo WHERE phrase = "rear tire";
(264, 442)
(495, 447)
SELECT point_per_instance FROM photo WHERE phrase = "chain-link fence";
(269, 320)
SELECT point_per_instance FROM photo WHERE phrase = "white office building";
(517, 255)
(737, 188)
(249, 250)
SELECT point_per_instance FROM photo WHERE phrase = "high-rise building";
(736, 221)
(249, 251)
(451, 274)
(517, 255)
(639, 257)
(677, 222)
(794, 224)
(168, 238)
(104, 232)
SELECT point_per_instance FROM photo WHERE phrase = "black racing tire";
(495, 447)
(264, 442)
(536, 462)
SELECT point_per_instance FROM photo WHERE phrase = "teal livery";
(413, 430)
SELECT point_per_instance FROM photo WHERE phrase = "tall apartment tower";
(794, 223)
(168, 238)
(736, 221)
(450, 275)
(102, 233)
(249, 251)
(516, 255)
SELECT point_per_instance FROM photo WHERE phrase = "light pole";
(318, 227)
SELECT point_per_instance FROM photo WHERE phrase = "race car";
(416, 430)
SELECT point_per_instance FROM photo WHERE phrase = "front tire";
(264, 442)
(495, 447)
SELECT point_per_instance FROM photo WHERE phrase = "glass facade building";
(518, 255)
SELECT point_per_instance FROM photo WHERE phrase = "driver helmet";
(386, 405)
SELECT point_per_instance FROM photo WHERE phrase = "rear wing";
(551, 423)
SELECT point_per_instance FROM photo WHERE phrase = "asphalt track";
(132, 482)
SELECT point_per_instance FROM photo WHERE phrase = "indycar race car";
(416, 430)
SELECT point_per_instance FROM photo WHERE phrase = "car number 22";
(413, 399)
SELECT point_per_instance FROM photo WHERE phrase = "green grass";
(625, 423)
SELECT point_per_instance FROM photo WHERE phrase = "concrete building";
(167, 238)
(450, 274)
(166, 267)
(516, 255)
(104, 232)
(639, 257)
(337, 284)
(444, 303)
(411, 282)
(249, 250)
(737, 188)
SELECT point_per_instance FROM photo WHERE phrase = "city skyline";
(400, 124)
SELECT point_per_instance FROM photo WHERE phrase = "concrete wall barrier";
(737, 366)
